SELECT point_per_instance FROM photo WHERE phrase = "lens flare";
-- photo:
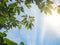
(53, 21)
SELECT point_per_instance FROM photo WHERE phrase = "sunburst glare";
(54, 21)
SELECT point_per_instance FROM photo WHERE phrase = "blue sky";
(36, 36)
(27, 36)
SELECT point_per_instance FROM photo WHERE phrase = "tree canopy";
(8, 12)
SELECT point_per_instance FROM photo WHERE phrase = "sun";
(53, 20)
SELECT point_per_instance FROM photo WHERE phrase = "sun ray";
(53, 21)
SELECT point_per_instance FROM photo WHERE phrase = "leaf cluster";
(8, 12)
(4, 40)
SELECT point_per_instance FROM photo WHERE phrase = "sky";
(43, 33)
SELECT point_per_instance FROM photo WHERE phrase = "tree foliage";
(8, 12)
(22, 43)
(4, 40)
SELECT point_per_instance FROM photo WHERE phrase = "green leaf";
(4, 1)
(20, 26)
(49, 2)
(9, 42)
(49, 6)
(58, 9)
(3, 34)
(13, 5)
(22, 43)
(27, 4)
(18, 11)
(22, 9)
